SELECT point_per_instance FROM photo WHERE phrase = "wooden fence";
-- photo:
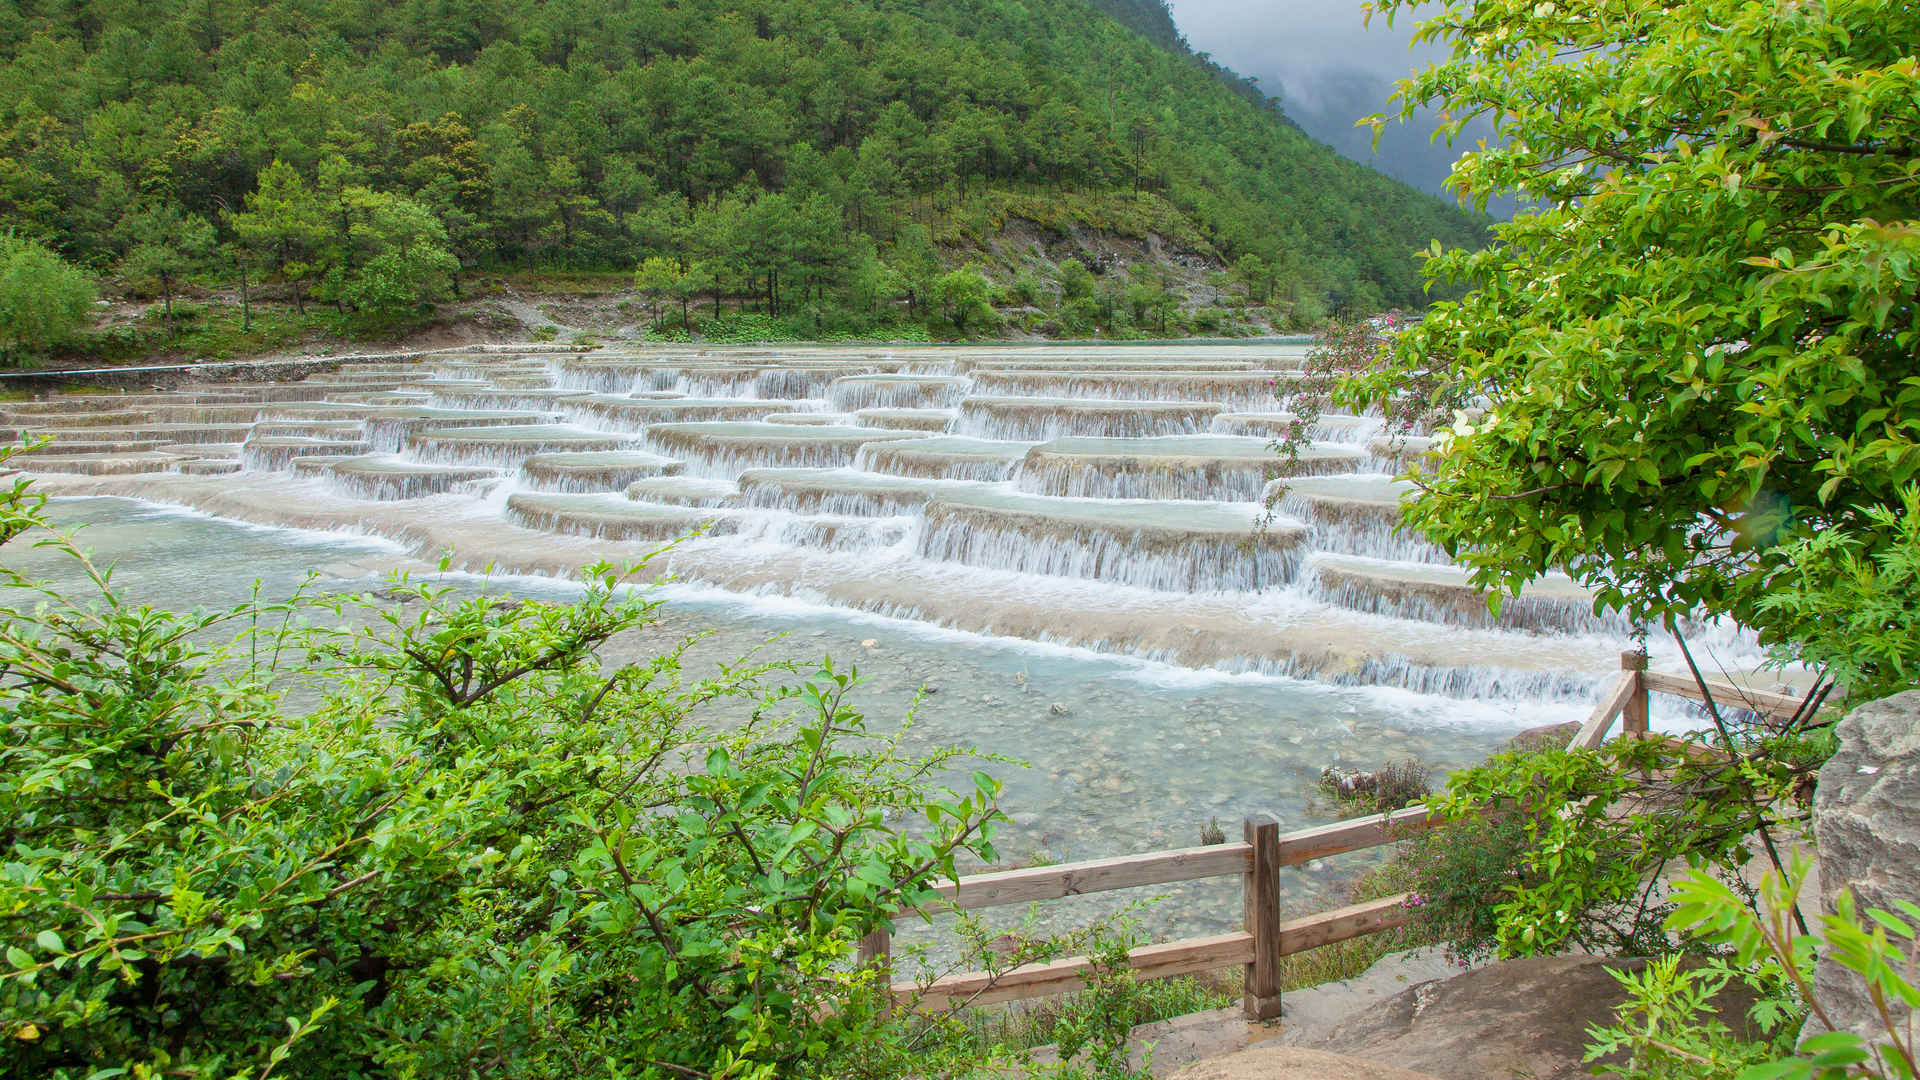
(1256, 859)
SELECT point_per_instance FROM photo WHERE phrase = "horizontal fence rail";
(1034, 883)
(1257, 859)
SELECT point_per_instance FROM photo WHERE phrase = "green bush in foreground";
(44, 299)
(1695, 349)
(472, 849)
(1667, 1028)
(1551, 850)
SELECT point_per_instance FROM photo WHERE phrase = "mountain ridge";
(801, 151)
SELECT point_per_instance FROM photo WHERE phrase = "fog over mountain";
(1328, 71)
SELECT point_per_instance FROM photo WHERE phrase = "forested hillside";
(784, 151)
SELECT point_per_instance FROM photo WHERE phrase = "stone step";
(947, 457)
(1041, 418)
(225, 451)
(844, 492)
(1399, 452)
(725, 450)
(906, 419)
(98, 464)
(73, 420)
(162, 432)
(855, 392)
(245, 413)
(277, 454)
(636, 415)
(418, 399)
(542, 399)
(310, 429)
(1115, 364)
(1232, 390)
(1442, 594)
(813, 419)
(1202, 467)
(383, 477)
(506, 445)
(1353, 514)
(1278, 632)
(685, 491)
(1185, 547)
(594, 470)
(66, 447)
(206, 466)
(612, 517)
(1328, 427)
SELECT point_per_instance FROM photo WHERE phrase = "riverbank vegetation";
(1691, 370)
(1685, 377)
(433, 834)
(429, 831)
(823, 161)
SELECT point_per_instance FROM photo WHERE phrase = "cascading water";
(1107, 568)
(1114, 497)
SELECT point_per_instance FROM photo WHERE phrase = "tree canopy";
(1699, 348)
(43, 299)
(781, 143)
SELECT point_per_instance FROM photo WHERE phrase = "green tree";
(961, 295)
(43, 298)
(1257, 275)
(284, 219)
(656, 278)
(401, 278)
(386, 253)
(1148, 297)
(1076, 281)
(164, 245)
(914, 256)
(1697, 352)
(695, 281)
(875, 285)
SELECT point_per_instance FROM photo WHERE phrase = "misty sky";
(1328, 72)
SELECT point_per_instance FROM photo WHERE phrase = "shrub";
(1669, 1031)
(1551, 850)
(1851, 601)
(1025, 289)
(44, 300)
(473, 848)
(1391, 787)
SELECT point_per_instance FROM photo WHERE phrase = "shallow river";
(1121, 755)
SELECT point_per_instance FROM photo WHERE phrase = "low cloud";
(1329, 70)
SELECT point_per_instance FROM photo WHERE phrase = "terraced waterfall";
(1103, 496)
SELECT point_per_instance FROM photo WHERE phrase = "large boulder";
(1866, 823)
(1521, 1018)
(1292, 1063)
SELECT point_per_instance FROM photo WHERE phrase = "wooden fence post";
(1633, 718)
(876, 951)
(1261, 889)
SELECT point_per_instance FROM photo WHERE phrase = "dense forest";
(787, 151)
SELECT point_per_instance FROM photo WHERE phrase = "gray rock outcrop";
(1866, 823)
(1292, 1063)
(1521, 1018)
